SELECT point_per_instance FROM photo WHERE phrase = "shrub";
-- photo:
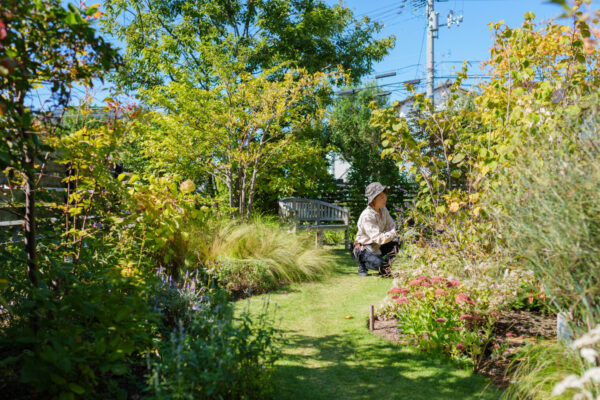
(82, 341)
(437, 315)
(498, 293)
(333, 237)
(209, 354)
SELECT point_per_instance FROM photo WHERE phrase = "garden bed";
(513, 331)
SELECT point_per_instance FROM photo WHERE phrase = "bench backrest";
(309, 210)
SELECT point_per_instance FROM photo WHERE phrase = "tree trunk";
(30, 244)
(242, 205)
(238, 189)
(29, 159)
(252, 186)
(229, 182)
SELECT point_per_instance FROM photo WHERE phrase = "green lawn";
(329, 357)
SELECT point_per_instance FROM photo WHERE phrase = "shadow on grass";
(338, 367)
(344, 263)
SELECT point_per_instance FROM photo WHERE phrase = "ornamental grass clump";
(586, 384)
(539, 368)
(437, 315)
(547, 210)
(262, 256)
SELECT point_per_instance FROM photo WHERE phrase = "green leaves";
(168, 44)
(456, 158)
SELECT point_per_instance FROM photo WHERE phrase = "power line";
(421, 51)
(374, 11)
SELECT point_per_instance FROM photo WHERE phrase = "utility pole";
(432, 33)
(432, 28)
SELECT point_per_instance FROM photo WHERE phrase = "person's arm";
(376, 236)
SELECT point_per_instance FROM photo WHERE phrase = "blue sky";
(469, 41)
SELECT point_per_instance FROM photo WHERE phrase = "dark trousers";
(369, 260)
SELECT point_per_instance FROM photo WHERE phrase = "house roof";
(441, 87)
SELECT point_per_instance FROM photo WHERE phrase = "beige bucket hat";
(373, 190)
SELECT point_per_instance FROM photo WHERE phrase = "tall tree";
(235, 130)
(169, 40)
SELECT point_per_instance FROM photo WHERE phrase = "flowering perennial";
(437, 314)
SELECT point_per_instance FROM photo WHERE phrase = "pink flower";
(440, 292)
(464, 298)
(494, 314)
(418, 294)
(414, 282)
(438, 279)
(402, 300)
(466, 317)
(510, 334)
(3, 31)
(395, 296)
(425, 283)
(421, 277)
(397, 290)
(452, 283)
(460, 346)
(440, 320)
(456, 328)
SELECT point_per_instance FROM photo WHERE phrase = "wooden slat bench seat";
(314, 215)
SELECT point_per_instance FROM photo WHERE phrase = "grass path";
(330, 357)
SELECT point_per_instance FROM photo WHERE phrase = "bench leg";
(318, 239)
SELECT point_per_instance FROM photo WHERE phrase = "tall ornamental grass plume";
(260, 255)
(548, 211)
(537, 370)
(586, 385)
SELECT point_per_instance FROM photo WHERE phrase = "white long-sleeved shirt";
(375, 229)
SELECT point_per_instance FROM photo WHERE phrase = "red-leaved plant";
(437, 315)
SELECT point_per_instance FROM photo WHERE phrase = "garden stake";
(371, 319)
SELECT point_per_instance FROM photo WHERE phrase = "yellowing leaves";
(454, 207)
(187, 186)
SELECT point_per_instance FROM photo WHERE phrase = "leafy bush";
(334, 237)
(437, 315)
(80, 341)
(209, 354)
(498, 293)
(260, 255)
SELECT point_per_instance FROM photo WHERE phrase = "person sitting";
(376, 239)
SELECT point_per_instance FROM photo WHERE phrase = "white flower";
(585, 395)
(590, 338)
(571, 381)
(592, 375)
(589, 354)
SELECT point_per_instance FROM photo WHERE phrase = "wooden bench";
(314, 215)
